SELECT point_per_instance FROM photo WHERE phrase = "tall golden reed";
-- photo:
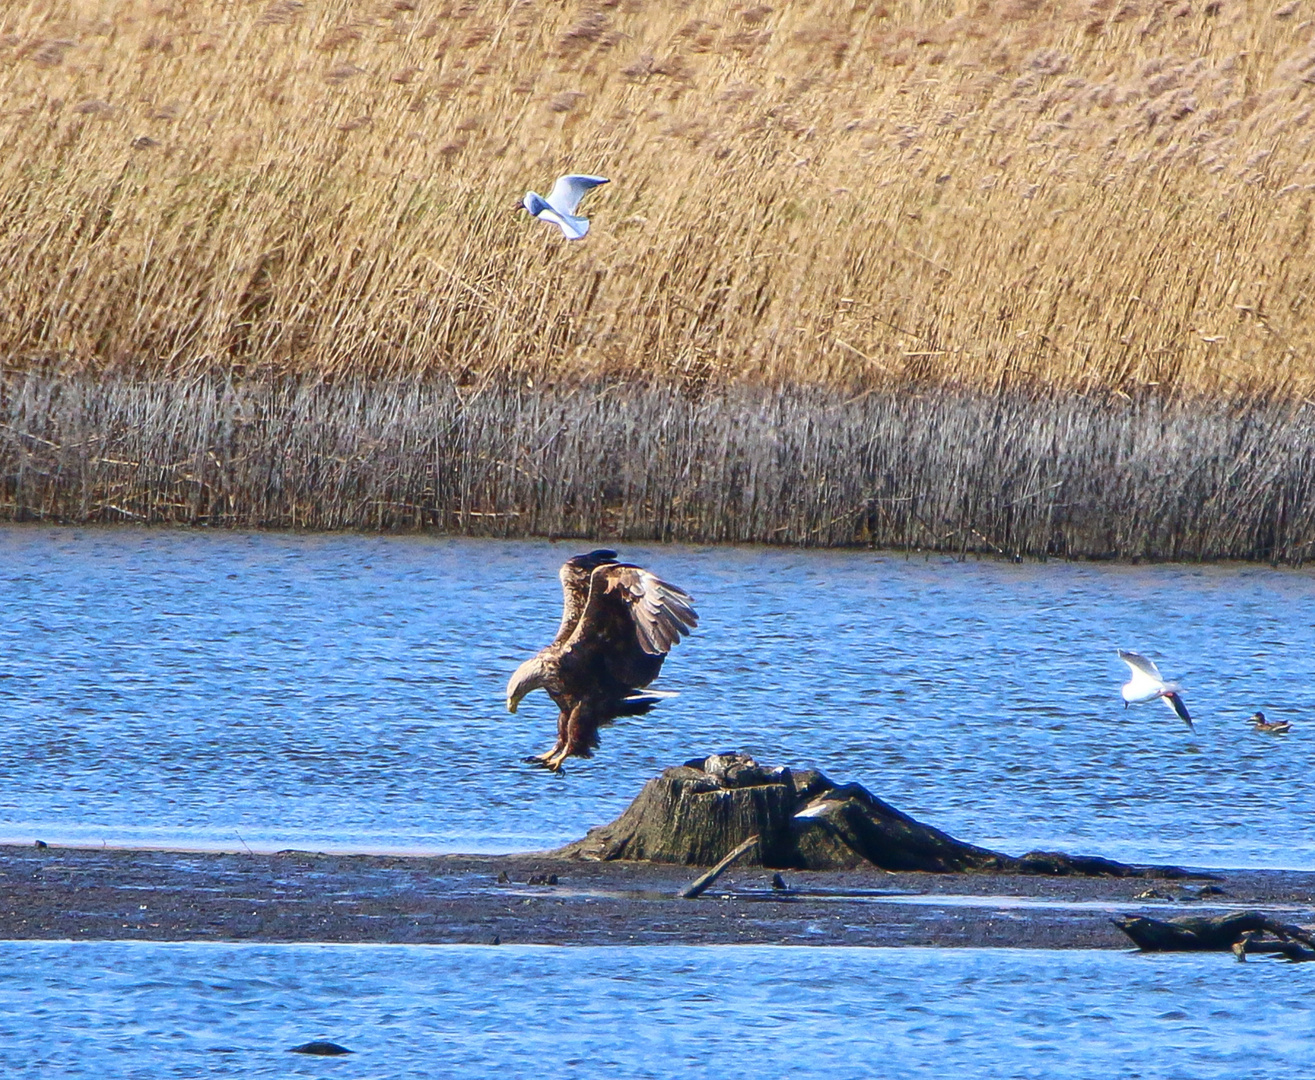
(1098, 197)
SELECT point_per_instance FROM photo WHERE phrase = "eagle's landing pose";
(618, 624)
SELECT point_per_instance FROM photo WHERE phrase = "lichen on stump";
(694, 814)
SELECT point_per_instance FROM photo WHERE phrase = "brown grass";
(990, 194)
(1007, 473)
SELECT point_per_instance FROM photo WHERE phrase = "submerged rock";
(321, 1048)
(694, 814)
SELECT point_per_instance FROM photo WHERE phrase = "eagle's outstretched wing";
(574, 576)
(630, 622)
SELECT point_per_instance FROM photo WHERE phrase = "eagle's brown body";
(618, 624)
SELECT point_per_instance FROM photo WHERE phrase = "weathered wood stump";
(697, 813)
(1241, 932)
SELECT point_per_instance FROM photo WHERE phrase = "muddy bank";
(68, 893)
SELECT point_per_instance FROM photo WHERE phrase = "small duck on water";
(1274, 727)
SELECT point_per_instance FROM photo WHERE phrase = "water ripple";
(193, 688)
(124, 1009)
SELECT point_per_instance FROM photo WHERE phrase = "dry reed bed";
(989, 194)
(1006, 473)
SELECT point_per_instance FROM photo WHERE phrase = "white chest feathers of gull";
(560, 205)
(1147, 685)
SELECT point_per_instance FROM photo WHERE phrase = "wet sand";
(295, 896)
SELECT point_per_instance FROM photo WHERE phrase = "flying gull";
(559, 207)
(1147, 685)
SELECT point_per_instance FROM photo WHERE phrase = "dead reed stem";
(1010, 473)
(995, 195)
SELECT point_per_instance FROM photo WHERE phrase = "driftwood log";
(698, 813)
(1242, 932)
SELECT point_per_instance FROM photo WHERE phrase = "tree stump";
(693, 815)
(697, 813)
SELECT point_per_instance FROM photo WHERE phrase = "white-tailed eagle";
(618, 624)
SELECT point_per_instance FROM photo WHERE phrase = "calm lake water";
(123, 1009)
(199, 689)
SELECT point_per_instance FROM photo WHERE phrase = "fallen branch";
(1241, 933)
(700, 884)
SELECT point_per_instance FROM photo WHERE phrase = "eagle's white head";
(529, 676)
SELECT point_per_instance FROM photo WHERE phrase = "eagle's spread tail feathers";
(639, 704)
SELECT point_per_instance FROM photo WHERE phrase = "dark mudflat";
(71, 893)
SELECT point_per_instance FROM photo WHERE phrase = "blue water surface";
(218, 689)
(133, 1009)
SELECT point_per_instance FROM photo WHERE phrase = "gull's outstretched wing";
(569, 190)
(573, 228)
(1176, 704)
(1140, 665)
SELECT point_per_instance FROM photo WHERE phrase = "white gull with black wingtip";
(560, 205)
(1146, 684)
